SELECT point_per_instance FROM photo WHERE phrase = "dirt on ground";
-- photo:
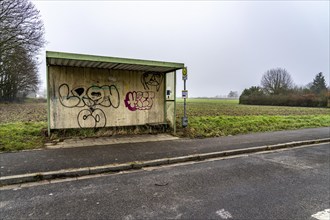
(24, 112)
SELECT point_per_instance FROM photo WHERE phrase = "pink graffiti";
(138, 100)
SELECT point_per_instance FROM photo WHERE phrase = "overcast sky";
(226, 45)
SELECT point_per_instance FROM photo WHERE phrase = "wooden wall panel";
(170, 99)
(170, 113)
(91, 97)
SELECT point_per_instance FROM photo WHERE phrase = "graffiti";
(93, 96)
(138, 100)
(106, 96)
(152, 80)
(94, 117)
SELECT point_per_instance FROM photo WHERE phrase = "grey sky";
(226, 45)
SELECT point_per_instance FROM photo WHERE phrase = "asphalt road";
(290, 184)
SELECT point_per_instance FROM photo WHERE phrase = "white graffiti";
(138, 100)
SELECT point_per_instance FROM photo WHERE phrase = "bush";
(302, 100)
(253, 91)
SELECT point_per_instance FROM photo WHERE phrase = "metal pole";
(184, 118)
(48, 99)
(185, 96)
(184, 101)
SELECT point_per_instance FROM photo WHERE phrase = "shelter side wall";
(92, 97)
(170, 101)
(170, 117)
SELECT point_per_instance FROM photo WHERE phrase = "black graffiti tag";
(150, 80)
(93, 96)
(106, 96)
(94, 117)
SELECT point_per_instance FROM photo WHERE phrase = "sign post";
(184, 96)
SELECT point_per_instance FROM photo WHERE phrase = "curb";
(114, 168)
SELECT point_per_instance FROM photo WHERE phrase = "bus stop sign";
(184, 73)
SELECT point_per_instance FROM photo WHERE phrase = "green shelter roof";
(84, 60)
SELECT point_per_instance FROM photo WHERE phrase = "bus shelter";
(88, 91)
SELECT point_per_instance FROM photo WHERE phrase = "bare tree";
(276, 81)
(232, 94)
(21, 74)
(21, 38)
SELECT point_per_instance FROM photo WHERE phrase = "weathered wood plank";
(91, 97)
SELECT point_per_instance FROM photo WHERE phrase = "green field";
(216, 117)
(23, 126)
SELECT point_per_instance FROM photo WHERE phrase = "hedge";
(306, 100)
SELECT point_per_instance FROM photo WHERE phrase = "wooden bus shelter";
(88, 91)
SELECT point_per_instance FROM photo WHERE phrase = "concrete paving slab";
(70, 143)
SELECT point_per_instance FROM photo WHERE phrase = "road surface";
(288, 184)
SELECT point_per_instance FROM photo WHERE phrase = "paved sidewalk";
(101, 141)
(45, 160)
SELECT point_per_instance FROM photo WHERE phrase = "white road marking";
(224, 214)
(322, 215)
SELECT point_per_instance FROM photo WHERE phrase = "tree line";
(21, 38)
(278, 88)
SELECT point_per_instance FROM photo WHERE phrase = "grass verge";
(206, 126)
(22, 135)
(23, 126)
